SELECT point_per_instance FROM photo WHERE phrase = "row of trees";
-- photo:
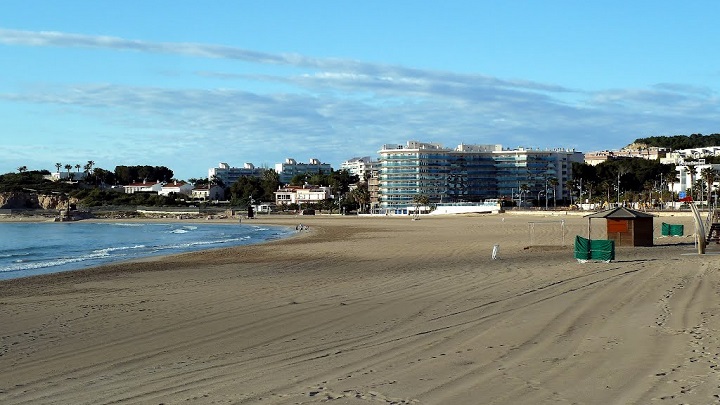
(89, 188)
(252, 189)
(121, 174)
(635, 180)
(677, 142)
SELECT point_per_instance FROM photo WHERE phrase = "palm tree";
(58, 166)
(608, 186)
(77, 167)
(68, 168)
(709, 174)
(524, 188)
(589, 187)
(698, 188)
(570, 186)
(648, 187)
(361, 196)
(418, 200)
(553, 182)
(670, 179)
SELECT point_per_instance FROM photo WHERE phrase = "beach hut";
(626, 227)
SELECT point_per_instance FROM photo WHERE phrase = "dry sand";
(375, 310)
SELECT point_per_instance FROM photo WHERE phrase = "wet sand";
(375, 310)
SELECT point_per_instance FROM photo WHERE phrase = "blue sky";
(189, 84)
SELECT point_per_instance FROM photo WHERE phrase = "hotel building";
(470, 173)
(230, 175)
(286, 171)
(363, 167)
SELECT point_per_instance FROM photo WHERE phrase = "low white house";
(208, 193)
(176, 187)
(64, 176)
(143, 186)
(302, 195)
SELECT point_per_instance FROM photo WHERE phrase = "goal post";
(547, 233)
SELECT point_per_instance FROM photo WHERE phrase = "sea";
(28, 249)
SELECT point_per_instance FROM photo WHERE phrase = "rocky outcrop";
(20, 200)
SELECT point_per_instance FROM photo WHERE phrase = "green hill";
(681, 141)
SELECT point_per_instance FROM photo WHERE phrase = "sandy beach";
(375, 310)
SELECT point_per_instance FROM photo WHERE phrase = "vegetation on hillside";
(640, 180)
(676, 142)
(92, 189)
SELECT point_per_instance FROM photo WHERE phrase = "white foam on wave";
(179, 231)
(119, 248)
(199, 243)
(51, 263)
(9, 255)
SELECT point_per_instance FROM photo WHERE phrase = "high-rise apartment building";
(286, 171)
(471, 173)
(230, 175)
(363, 167)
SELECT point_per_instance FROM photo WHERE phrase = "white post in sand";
(495, 251)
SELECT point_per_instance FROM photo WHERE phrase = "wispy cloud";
(337, 108)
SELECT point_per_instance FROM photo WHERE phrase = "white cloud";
(334, 109)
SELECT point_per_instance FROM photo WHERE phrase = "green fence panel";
(582, 248)
(677, 230)
(672, 230)
(603, 250)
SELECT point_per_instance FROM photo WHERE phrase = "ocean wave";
(115, 249)
(46, 250)
(31, 265)
(11, 255)
(187, 245)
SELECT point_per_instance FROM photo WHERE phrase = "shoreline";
(285, 230)
(290, 222)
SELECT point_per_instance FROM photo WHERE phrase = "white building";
(302, 195)
(363, 167)
(291, 168)
(691, 172)
(66, 176)
(471, 173)
(144, 187)
(679, 156)
(649, 153)
(229, 175)
(177, 187)
(208, 193)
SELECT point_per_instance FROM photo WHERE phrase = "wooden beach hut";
(626, 227)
